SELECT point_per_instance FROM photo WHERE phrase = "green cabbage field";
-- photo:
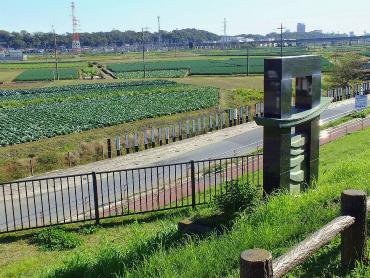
(29, 115)
(47, 74)
(153, 74)
(229, 66)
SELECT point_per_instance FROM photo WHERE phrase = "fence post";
(96, 201)
(256, 263)
(31, 167)
(353, 203)
(109, 143)
(192, 174)
(118, 146)
(153, 137)
(180, 130)
(127, 143)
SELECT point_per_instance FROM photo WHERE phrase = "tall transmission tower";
(76, 45)
(159, 33)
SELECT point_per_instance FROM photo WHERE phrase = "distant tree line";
(24, 39)
(40, 40)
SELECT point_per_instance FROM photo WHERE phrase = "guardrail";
(328, 136)
(94, 196)
(352, 225)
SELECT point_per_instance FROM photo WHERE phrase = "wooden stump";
(256, 263)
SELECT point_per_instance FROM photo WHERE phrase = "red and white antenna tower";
(76, 45)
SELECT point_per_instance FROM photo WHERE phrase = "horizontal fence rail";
(52, 201)
(352, 225)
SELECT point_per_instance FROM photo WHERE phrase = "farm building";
(12, 55)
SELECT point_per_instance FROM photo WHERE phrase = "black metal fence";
(51, 201)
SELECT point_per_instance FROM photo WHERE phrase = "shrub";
(238, 196)
(48, 161)
(14, 170)
(56, 239)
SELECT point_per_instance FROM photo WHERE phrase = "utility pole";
(159, 33)
(247, 59)
(225, 33)
(55, 55)
(143, 42)
(281, 28)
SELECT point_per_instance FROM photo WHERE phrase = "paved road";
(39, 202)
(248, 141)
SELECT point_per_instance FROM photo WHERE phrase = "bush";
(56, 239)
(238, 196)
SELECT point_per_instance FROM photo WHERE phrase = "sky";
(243, 16)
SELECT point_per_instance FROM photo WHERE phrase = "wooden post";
(31, 167)
(180, 130)
(223, 121)
(210, 122)
(204, 124)
(247, 114)
(109, 143)
(69, 160)
(262, 109)
(216, 121)
(167, 134)
(230, 117)
(354, 239)
(187, 129)
(118, 145)
(173, 133)
(256, 263)
(127, 143)
(199, 126)
(160, 136)
(145, 134)
(235, 116)
(153, 137)
(240, 115)
(136, 142)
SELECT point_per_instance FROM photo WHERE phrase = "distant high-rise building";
(301, 28)
(351, 34)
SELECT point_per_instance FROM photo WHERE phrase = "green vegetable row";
(47, 74)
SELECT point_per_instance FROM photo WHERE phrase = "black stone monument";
(291, 128)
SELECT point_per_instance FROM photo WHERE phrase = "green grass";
(355, 115)
(149, 245)
(39, 74)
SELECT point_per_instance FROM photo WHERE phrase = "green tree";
(347, 69)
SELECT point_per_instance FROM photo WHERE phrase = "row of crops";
(47, 74)
(230, 66)
(29, 115)
(197, 67)
(171, 73)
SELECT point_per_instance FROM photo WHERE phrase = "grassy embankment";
(355, 115)
(149, 245)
